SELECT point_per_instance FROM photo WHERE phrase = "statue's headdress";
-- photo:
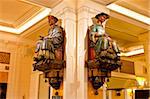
(102, 14)
(50, 17)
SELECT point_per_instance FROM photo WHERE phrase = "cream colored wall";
(43, 92)
(91, 92)
(139, 68)
(20, 68)
(122, 96)
(145, 39)
(138, 65)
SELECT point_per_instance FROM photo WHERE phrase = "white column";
(70, 83)
(14, 75)
(145, 38)
(110, 94)
(86, 9)
(104, 91)
(81, 52)
(19, 73)
(147, 55)
(125, 94)
(66, 11)
(13, 70)
(34, 85)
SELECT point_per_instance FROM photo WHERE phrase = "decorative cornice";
(27, 16)
(6, 24)
(93, 6)
(129, 20)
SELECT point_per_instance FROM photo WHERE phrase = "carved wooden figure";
(49, 53)
(102, 52)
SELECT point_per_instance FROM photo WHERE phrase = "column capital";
(145, 36)
(64, 6)
(96, 7)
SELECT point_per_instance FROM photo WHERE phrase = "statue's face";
(102, 18)
(51, 20)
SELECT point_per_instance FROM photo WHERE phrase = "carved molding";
(129, 20)
(27, 16)
(46, 3)
(23, 18)
(7, 24)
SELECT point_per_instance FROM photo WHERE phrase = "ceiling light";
(27, 25)
(129, 13)
(8, 29)
(131, 53)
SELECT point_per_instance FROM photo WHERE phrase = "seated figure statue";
(50, 47)
(102, 49)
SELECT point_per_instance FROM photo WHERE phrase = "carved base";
(55, 82)
(48, 65)
(98, 72)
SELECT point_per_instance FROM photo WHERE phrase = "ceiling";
(125, 30)
(139, 6)
(45, 3)
(13, 13)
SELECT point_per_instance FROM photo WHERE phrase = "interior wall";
(19, 69)
(43, 92)
(114, 94)
(91, 92)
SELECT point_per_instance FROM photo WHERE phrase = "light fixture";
(134, 52)
(140, 80)
(28, 24)
(129, 13)
(130, 92)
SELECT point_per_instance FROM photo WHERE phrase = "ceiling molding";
(27, 16)
(18, 22)
(44, 3)
(121, 35)
(129, 13)
(15, 39)
(6, 24)
(105, 2)
(136, 6)
(129, 20)
(34, 28)
(45, 12)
